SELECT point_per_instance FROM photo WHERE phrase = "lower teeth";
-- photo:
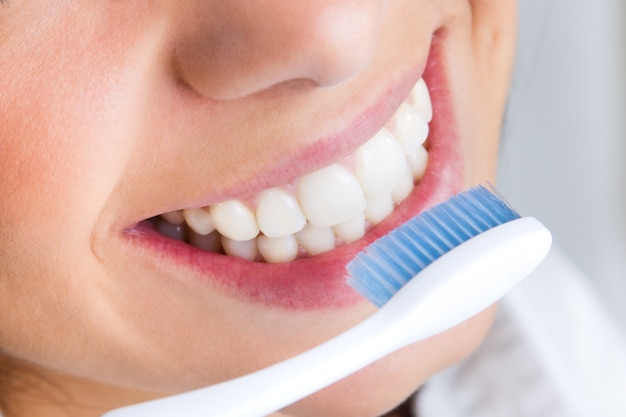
(308, 242)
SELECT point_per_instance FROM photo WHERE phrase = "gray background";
(564, 147)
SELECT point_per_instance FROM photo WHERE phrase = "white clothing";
(552, 352)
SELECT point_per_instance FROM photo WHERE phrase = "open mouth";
(287, 246)
(322, 210)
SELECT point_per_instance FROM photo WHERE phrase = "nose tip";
(344, 44)
(269, 43)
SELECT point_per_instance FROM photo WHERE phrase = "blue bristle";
(385, 266)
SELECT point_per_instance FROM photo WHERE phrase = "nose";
(229, 49)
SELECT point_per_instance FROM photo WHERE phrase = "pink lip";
(319, 282)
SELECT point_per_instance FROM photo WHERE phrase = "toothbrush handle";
(270, 389)
(452, 289)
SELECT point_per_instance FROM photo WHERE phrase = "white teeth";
(278, 249)
(234, 220)
(351, 230)
(379, 208)
(174, 217)
(379, 164)
(421, 100)
(411, 130)
(278, 213)
(323, 209)
(418, 161)
(330, 196)
(404, 187)
(316, 240)
(200, 220)
(245, 249)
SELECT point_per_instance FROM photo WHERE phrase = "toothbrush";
(430, 274)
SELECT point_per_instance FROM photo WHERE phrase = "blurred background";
(564, 149)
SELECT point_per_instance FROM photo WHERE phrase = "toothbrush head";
(385, 266)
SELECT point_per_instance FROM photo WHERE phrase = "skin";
(100, 103)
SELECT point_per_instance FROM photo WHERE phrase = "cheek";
(479, 60)
(65, 133)
(56, 174)
(48, 202)
(66, 124)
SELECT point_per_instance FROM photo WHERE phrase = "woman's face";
(112, 113)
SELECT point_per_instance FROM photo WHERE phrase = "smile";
(207, 245)
(321, 210)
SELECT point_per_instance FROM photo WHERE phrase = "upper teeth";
(330, 196)
(321, 209)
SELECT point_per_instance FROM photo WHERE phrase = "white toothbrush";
(464, 255)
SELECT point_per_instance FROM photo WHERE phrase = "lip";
(319, 282)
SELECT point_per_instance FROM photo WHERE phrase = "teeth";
(421, 100)
(418, 161)
(322, 209)
(245, 249)
(351, 230)
(379, 164)
(174, 217)
(199, 220)
(278, 213)
(278, 249)
(405, 185)
(175, 231)
(210, 242)
(330, 196)
(234, 220)
(316, 240)
(379, 208)
(410, 128)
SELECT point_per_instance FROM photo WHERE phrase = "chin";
(385, 385)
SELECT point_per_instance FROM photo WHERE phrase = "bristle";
(381, 269)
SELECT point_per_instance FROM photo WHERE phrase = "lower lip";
(317, 282)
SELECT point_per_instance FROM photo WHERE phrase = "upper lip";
(355, 130)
